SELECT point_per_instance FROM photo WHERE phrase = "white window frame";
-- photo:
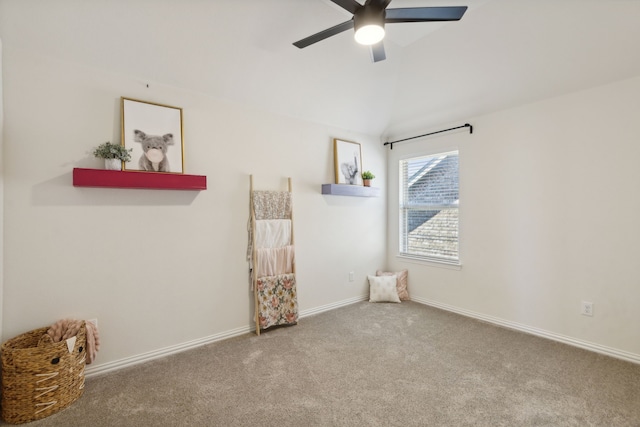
(403, 207)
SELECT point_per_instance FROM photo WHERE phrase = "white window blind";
(429, 199)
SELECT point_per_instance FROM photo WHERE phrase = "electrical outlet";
(587, 308)
(351, 275)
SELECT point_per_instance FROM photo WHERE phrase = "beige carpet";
(368, 365)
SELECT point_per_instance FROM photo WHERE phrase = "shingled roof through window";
(435, 231)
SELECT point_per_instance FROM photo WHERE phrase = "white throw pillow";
(403, 292)
(383, 289)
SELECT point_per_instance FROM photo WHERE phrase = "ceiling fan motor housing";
(369, 15)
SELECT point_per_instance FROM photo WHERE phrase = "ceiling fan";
(369, 19)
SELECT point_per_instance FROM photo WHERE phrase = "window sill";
(430, 262)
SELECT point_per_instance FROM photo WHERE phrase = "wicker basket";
(40, 377)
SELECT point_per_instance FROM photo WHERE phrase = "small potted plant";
(113, 155)
(367, 176)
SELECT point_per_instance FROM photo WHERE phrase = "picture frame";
(348, 162)
(154, 132)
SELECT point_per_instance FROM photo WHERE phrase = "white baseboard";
(609, 351)
(332, 306)
(146, 357)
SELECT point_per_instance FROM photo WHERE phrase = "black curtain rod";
(466, 125)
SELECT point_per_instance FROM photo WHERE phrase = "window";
(429, 207)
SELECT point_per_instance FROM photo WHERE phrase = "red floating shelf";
(133, 179)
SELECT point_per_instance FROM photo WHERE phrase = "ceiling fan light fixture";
(369, 25)
(369, 34)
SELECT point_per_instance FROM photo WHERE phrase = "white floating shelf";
(350, 190)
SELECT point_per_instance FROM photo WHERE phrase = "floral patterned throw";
(272, 204)
(277, 300)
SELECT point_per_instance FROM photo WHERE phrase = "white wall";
(548, 215)
(162, 268)
(1, 191)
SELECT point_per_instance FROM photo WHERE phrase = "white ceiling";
(501, 54)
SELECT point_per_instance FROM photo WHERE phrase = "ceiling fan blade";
(377, 52)
(324, 34)
(349, 5)
(425, 14)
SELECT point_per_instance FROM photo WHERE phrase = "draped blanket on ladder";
(272, 258)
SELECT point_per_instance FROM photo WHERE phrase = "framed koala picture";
(154, 133)
(348, 162)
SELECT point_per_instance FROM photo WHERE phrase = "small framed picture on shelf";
(348, 162)
(154, 132)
